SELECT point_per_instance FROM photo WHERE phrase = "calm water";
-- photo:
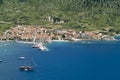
(64, 61)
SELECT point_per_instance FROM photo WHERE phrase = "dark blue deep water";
(93, 60)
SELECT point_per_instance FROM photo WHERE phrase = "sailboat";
(29, 67)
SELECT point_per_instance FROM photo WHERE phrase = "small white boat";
(74, 39)
(21, 58)
(37, 45)
(43, 48)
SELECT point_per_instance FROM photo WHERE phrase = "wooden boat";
(29, 67)
(26, 68)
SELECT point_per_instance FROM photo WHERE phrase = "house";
(56, 20)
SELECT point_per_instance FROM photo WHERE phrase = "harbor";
(59, 39)
(64, 60)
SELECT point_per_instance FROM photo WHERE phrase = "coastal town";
(39, 33)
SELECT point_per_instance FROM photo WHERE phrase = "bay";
(85, 60)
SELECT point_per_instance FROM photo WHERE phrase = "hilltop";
(85, 15)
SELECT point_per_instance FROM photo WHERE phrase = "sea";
(84, 60)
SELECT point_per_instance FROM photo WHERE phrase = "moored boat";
(43, 48)
(37, 45)
(40, 46)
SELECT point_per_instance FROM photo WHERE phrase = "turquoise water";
(93, 60)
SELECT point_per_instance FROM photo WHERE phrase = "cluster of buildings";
(37, 33)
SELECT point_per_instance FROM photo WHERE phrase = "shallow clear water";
(93, 60)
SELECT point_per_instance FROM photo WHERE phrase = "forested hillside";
(80, 14)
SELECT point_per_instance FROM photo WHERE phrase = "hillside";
(79, 14)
